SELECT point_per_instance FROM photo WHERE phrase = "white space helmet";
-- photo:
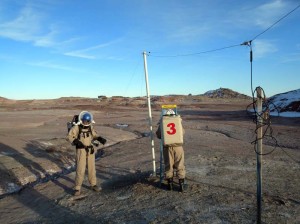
(86, 118)
(168, 112)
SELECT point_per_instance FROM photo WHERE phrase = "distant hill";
(5, 100)
(225, 93)
(289, 101)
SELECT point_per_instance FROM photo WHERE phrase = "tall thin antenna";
(149, 109)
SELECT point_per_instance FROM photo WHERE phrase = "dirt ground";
(37, 166)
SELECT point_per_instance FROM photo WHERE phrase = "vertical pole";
(161, 163)
(259, 152)
(161, 148)
(149, 109)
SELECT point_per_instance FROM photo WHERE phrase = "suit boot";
(181, 185)
(170, 184)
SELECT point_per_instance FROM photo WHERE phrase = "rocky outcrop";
(225, 93)
(283, 102)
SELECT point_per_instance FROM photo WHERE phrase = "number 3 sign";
(172, 129)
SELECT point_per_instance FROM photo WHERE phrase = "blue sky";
(53, 48)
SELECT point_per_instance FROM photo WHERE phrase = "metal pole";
(259, 153)
(161, 163)
(149, 109)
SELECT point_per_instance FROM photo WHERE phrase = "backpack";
(172, 131)
(74, 121)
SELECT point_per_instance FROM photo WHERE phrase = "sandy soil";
(36, 167)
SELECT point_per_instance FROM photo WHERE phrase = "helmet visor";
(85, 118)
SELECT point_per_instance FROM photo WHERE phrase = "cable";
(265, 123)
(236, 45)
(276, 22)
(197, 53)
(288, 155)
(264, 120)
(132, 76)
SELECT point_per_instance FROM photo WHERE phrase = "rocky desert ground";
(37, 164)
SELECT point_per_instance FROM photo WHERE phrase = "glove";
(101, 140)
(78, 144)
(95, 143)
